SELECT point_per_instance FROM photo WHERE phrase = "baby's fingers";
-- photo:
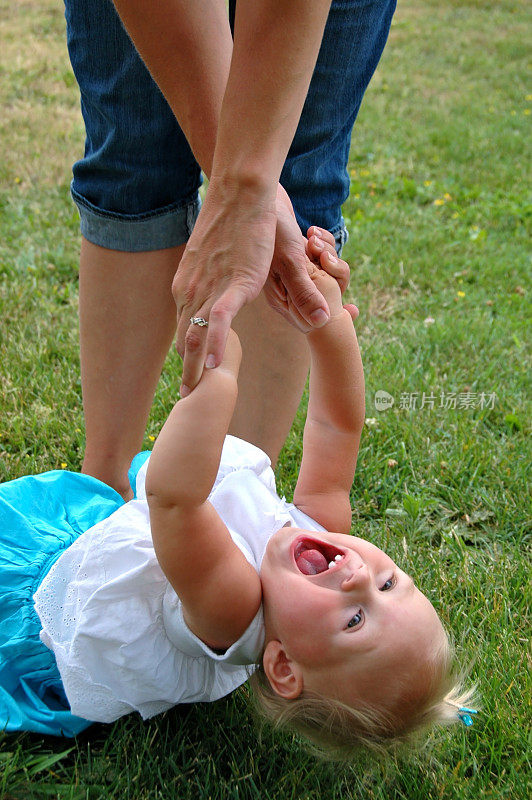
(337, 268)
(320, 233)
(353, 310)
(323, 253)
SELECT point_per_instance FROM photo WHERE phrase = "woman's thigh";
(136, 185)
(315, 173)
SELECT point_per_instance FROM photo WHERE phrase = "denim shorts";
(136, 186)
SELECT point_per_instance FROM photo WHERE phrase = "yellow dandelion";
(527, 111)
(63, 465)
(18, 180)
(447, 196)
(513, 112)
(354, 173)
(151, 438)
(460, 294)
(456, 215)
(528, 97)
(365, 172)
(439, 201)
(427, 183)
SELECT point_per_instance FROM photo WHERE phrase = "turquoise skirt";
(40, 516)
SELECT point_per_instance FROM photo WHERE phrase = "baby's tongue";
(310, 562)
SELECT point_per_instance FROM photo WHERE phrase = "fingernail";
(184, 390)
(317, 231)
(332, 259)
(210, 361)
(319, 317)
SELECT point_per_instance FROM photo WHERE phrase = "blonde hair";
(338, 732)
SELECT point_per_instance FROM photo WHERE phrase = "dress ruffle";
(40, 516)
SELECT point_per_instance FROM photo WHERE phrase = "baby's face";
(345, 612)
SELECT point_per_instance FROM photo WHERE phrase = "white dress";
(116, 625)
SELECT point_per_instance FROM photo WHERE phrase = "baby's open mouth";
(313, 557)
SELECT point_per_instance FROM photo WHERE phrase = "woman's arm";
(275, 50)
(187, 46)
(219, 589)
(335, 417)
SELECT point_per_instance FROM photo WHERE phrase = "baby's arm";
(220, 591)
(335, 416)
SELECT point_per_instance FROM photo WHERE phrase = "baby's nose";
(357, 578)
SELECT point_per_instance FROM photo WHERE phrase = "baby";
(208, 575)
(353, 652)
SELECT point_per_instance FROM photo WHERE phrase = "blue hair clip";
(464, 715)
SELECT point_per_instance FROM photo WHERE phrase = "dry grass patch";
(41, 121)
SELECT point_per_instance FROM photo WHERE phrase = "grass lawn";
(440, 256)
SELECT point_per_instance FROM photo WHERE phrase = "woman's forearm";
(186, 45)
(276, 45)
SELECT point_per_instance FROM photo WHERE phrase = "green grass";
(439, 216)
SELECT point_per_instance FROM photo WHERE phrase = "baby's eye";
(390, 583)
(356, 620)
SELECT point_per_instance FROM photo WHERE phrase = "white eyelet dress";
(114, 623)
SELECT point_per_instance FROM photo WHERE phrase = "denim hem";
(165, 227)
(341, 235)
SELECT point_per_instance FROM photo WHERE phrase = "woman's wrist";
(249, 185)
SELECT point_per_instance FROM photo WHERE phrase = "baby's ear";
(285, 676)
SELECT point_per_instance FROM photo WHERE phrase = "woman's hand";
(225, 265)
(304, 262)
(329, 287)
(292, 260)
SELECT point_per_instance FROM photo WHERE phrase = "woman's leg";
(275, 359)
(136, 190)
(127, 322)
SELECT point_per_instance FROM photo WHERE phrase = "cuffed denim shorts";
(136, 186)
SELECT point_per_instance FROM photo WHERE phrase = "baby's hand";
(320, 248)
(230, 360)
(232, 355)
(328, 272)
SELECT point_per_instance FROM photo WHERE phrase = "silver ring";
(199, 321)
